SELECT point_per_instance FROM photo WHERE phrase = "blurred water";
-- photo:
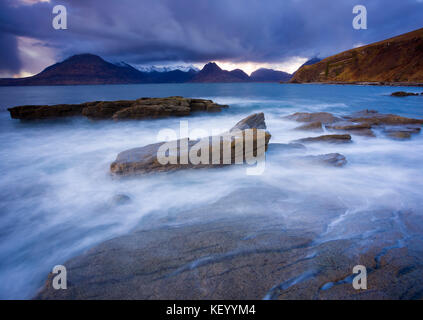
(56, 196)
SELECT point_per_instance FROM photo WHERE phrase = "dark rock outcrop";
(125, 109)
(313, 126)
(374, 118)
(331, 138)
(401, 132)
(399, 135)
(403, 94)
(331, 159)
(349, 126)
(145, 160)
(360, 129)
(323, 117)
(360, 123)
(46, 112)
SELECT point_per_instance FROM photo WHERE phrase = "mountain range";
(84, 69)
(398, 60)
(395, 60)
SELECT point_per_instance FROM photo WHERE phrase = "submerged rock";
(403, 132)
(349, 126)
(286, 147)
(375, 118)
(331, 138)
(399, 135)
(323, 117)
(313, 126)
(358, 123)
(360, 129)
(331, 159)
(124, 109)
(146, 160)
(121, 199)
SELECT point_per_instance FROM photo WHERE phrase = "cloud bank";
(192, 31)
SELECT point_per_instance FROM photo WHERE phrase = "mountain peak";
(84, 57)
(211, 67)
(270, 75)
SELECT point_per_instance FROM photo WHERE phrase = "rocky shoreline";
(272, 248)
(217, 252)
(363, 83)
(362, 123)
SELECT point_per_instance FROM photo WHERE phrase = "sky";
(246, 34)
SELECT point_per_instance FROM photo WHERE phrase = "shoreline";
(357, 83)
(365, 83)
(258, 241)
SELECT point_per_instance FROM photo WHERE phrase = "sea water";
(57, 197)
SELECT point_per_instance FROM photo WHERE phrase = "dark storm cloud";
(142, 31)
(9, 60)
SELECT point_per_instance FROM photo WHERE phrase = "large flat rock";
(145, 160)
(118, 110)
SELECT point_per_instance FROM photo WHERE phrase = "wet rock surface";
(313, 126)
(362, 123)
(286, 147)
(273, 248)
(402, 132)
(323, 117)
(119, 110)
(360, 129)
(145, 160)
(263, 241)
(330, 138)
(120, 199)
(374, 118)
(330, 159)
(255, 120)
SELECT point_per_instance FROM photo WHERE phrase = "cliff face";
(398, 59)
